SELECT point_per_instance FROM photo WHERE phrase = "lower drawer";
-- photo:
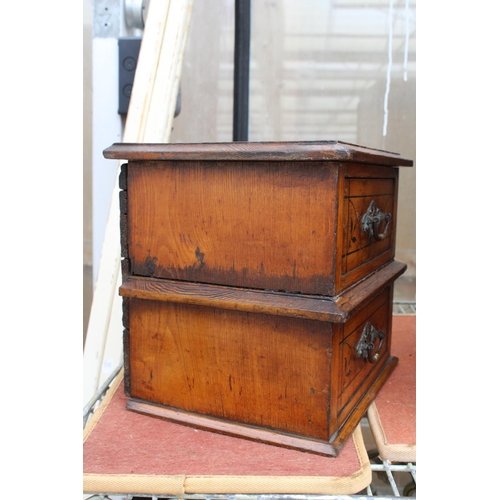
(288, 370)
(365, 348)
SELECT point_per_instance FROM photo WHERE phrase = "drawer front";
(368, 223)
(244, 224)
(364, 349)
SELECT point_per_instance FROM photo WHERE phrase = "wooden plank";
(158, 126)
(159, 64)
(220, 426)
(140, 109)
(297, 305)
(238, 299)
(259, 151)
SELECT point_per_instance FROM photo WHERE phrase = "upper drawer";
(300, 227)
(280, 216)
(368, 220)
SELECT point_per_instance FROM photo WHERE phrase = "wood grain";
(291, 226)
(248, 281)
(243, 224)
(354, 371)
(337, 310)
(235, 429)
(359, 410)
(360, 255)
(218, 373)
(353, 299)
(268, 371)
(257, 151)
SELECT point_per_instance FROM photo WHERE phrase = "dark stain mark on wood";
(199, 256)
(150, 265)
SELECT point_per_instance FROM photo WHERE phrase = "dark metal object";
(241, 84)
(128, 55)
(366, 344)
(371, 222)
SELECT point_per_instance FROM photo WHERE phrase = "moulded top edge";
(256, 151)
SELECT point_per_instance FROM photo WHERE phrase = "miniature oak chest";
(257, 285)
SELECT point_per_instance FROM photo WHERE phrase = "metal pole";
(241, 69)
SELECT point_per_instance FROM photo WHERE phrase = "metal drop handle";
(366, 343)
(372, 220)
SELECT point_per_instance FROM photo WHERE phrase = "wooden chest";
(257, 285)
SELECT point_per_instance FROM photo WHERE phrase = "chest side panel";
(256, 369)
(246, 224)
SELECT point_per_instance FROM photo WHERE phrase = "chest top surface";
(257, 151)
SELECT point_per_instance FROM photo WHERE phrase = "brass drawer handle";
(366, 344)
(371, 222)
